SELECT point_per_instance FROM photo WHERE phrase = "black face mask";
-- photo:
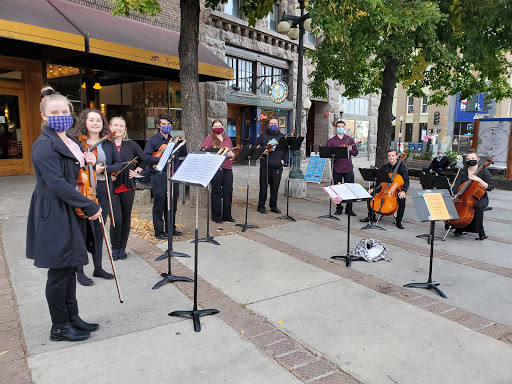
(471, 163)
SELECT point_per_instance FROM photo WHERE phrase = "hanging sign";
(278, 91)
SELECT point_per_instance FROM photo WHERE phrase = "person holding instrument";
(391, 167)
(222, 182)
(124, 186)
(343, 170)
(156, 146)
(93, 126)
(55, 233)
(271, 166)
(484, 179)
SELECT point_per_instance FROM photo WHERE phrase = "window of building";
(243, 70)
(410, 104)
(272, 18)
(311, 39)
(424, 104)
(269, 75)
(357, 106)
(232, 8)
(423, 131)
(408, 132)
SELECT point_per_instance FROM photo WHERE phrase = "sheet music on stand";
(347, 192)
(165, 157)
(198, 168)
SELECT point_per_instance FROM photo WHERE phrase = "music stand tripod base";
(208, 239)
(172, 254)
(432, 285)
(348, 259)
(168, 278)
(195, 315)
(246, 226)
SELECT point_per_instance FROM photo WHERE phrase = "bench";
(415, 168)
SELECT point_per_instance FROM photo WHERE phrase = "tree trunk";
(386, 111)
(189, 78)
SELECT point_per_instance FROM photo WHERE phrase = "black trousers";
(159, 187)
(122, 204)
(61, 294)
(273, 178)
(347, 177)
(399, 212)
(222, 194)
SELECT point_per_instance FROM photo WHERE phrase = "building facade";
(130, 67)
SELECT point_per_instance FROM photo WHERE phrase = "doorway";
(310, 126)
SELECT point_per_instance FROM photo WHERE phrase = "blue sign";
(461, 114)
(231, 130)
(315, 169)
(420, 147)
(412, 146)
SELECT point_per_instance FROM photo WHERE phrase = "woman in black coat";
(55, 233)
(92, 124)
(124, 186)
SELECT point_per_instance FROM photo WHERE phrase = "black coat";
(55, 234)
(130, 149)
(153, 145)
(273, 158)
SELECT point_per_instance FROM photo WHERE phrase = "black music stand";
(248, 153)
(357, 197)
(169, 277)
(428, 213)
(290, 144)
(208, 238)
(197, 171)
(377, 176)
(334, 153)
(428, 182)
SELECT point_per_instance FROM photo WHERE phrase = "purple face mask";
(60, 123)
(166, 129)
(273, 127)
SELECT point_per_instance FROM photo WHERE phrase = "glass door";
(12, 126)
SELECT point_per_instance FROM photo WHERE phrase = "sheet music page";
(198, 168)
(343, 192)
(358, 190)
(332, 194)
(165, 157)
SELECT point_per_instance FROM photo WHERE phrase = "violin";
(385, 202)
(161, 150)
(225, 150)
(126, 165)
(87, 185)
(467, 195)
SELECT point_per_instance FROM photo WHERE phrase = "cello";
(467, 195)
(385, 201)
(87, 185)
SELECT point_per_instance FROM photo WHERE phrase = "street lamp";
(400, 134)
(294, 31)
(341, 109)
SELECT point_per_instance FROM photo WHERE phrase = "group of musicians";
(58, 239)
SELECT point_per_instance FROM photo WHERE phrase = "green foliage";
(145, 7)
(452, 155)
(256, 9)
(448, 46)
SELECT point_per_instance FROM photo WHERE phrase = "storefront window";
(10, 128)
(67, 81)
(358, 130)
(10, 75)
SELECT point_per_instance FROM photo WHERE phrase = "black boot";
(81, 325)
(339, 209)
(67, 332)
(83, 280)
(99, 272)
(481, 235)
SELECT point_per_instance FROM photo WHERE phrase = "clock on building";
(278, 91)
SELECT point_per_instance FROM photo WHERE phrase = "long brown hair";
(215, 138)
(81, 127)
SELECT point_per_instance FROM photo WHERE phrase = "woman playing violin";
(343, 170)
(484, 178)
(94, 126)
(222, 182)
(124, 186)
(55, 233)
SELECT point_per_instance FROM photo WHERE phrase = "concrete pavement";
(288, 312)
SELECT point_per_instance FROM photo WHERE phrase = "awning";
(36, 21)
(136, 45)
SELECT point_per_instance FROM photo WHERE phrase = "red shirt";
(343, 165)
(226, 142)
(122, 188)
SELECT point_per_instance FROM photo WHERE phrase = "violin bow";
(109, 251)
(126, 166)
(109, 198)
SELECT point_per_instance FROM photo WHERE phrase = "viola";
(161, 150)
(385, 202)
(467, 195)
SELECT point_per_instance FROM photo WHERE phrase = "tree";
(449, 47)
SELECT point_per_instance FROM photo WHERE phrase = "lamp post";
(341, 109)
(400, 134)
(294, 31)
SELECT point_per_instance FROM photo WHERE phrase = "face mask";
(273, 127)
(471, 163)
(60, 123)
(166, 129)
(439, 157)
(340, 130)
(218, 131)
